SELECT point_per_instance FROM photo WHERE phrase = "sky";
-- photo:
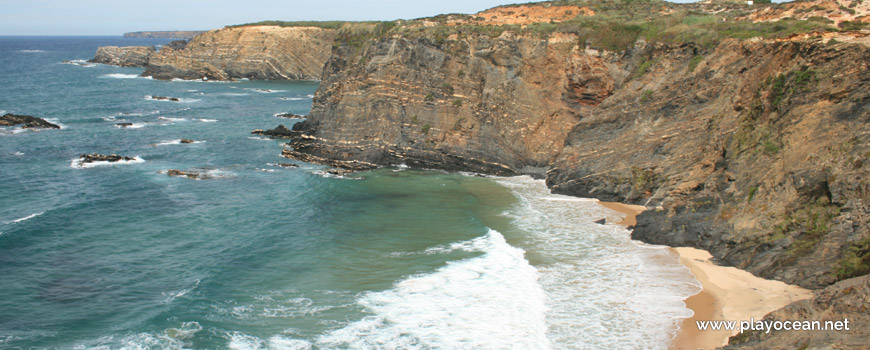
(115, 17)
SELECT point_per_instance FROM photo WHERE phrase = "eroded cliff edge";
(751, 144)
(252, 52)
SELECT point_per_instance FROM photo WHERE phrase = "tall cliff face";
(753, 149)
(498, 105)
(253, 52)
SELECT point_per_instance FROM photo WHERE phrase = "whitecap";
(309, 96)
(31, 216)
(31, 51)
(173, 142)
(131, 126)
(55, 121)
(260, 138)
(233, 94)
(17, 153)
(265, 91)
(204, 120)
(171, 296)
(78, 164)
(80, 63)
(121, 76)
(597, 280)
(168, 119)
(293, 98)
(492, 301)
(168, 99)
(326, 174)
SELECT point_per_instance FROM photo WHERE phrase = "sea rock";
(195, 174)
(128, 56)
(290, 116)
(187, 141)
(124, 124)
(95, 157)
(279, 131)
(165, 98)
(252, 52)
(26, 121)
(288, 165)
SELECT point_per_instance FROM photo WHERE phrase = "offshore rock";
(128, 56)
(279, 131)
(26, 121)
(252, 52)
(95, 157)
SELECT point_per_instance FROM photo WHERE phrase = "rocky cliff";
(746, 138)
(172, 34)
(125, 56)
(253, 52)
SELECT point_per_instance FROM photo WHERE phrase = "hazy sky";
(114, 17)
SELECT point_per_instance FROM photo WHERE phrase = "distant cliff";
(252, 52)
(172, 34)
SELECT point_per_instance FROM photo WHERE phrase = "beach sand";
(728, 293)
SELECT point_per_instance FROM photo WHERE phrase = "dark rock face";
(95, 157)
(165, 98)
(128, 56)
(279, 131)
(176, 45)
(252, 52)
(845, 300)
(187, 141)
(26, 121)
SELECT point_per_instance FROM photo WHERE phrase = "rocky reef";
(251, 52)
(26, 121)
(744, 136)
(279, 131)
(124, 56)
(111, 158)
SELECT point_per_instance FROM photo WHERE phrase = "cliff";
(127, 56)
(745, 136)
(172, 34)
(253, 52)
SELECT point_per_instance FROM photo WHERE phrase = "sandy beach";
(728, 293)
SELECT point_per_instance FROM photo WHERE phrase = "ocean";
(259, 256)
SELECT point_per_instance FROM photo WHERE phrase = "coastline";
(727, 293)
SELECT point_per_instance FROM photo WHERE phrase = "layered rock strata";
(125, 56)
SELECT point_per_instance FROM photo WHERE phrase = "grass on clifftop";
(318, 24)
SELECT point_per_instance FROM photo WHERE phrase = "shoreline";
(727, 293)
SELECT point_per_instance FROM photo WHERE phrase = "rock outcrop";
(279, 131)
(125, 56)
(171, 34)
(26, 121)
(252, 52)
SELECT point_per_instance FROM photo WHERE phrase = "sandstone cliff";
(127, 56)
(172, 34)
(253, 52)
(748, 139)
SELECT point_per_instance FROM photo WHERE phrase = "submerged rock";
(26, 121)
(290, 116)
(195, 174)
(165, 98)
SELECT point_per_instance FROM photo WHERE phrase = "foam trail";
(122, 76)
(492, 301)
(597, 280)
(31, 216)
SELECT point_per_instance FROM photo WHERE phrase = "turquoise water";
(259, 256)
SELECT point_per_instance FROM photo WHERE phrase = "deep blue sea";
(258, 256)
